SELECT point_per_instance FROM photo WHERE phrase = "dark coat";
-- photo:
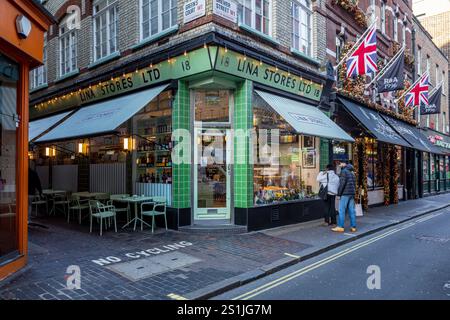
(34, 183)
(347, 181)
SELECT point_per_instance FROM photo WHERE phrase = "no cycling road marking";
(311, 267)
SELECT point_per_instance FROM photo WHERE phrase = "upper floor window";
(404, 35)
(157, 16)
(302, 26)
(67, 49)
(395, 29)
(373, 11)
(443, 83)
(383, 17)
(437, 74)
(38, 76)
(419, 60)
(255, 14)
(106, 25)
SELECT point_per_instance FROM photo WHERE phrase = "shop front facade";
(436, 170)
(387, 153)
(22, 30)
(226, 137)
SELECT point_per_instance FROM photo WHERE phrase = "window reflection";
(286, 164)
(8, 101)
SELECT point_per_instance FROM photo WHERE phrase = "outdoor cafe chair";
(120, 209)
(77, 205)
(100, 211)
(61, 200)
(151, 209)
(38, 201)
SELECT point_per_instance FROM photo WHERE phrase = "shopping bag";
(359, 210)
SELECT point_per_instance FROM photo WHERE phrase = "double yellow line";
(297, 273)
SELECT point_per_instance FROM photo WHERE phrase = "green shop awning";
(412, 135)
(372, 121)
(38, 127)
(102, 118)
(304, 118)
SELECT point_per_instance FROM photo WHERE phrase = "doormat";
(148, 267)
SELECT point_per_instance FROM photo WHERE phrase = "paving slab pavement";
(191, 265)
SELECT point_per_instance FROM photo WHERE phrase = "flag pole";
(351, 51)
(391, 62)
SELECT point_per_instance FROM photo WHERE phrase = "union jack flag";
(419, 93)
(364, 59)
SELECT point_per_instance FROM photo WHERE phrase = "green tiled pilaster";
(324, 153)
(181, 184)
(243, 168)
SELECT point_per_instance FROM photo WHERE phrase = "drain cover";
(144, 268)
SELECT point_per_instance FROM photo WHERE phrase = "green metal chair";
(151, 209)
(123, 208)
(75, 204)
(39, 201)
(100, 211)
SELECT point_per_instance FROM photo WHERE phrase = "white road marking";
(302, 271)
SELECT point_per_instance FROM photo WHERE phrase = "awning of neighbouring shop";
(412, 135)
(38, 127)
(102, 118)
(372, 121)
(438, 140)
(305, 119)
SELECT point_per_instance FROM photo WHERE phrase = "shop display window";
(212, 105)
(152, 141)
(374, 168)
(289, 174)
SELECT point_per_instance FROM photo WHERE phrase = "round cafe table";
(136, 200)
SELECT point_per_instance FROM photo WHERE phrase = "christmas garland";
(387, 174)
(354, 89)
(395, 174)
(351, 6)
(360, 158)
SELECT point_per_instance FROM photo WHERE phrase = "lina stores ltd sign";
(237, 64)
(194, 62)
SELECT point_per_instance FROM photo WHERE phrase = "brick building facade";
(262, 63)
(430, 57)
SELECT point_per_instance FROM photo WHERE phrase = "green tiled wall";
(243, 169)
(324, 153)
(181, 182)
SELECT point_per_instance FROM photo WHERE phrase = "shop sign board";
(239, 65)
(179, 67)
(227, 9)
(194, 10)
(194, 62)
(439, 141)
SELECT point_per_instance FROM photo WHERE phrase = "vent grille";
(275, 214)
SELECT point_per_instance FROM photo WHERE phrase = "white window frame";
(38, 76)
(395, 28)
(373, 7)
(159, 16)
(436, 122)
(110, 4)
(298, 6)
(241, 6)
(383, 17)
(443, 82)
(419, 60)
(437, 73)
(68, 50)
(404, 35)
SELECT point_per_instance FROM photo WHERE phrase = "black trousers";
(330, 213)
